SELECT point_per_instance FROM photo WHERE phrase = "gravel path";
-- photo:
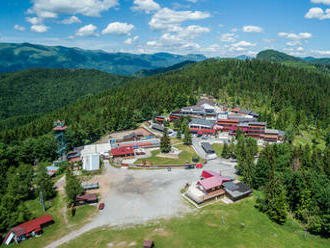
(137, 196)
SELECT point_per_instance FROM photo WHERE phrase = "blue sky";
(212, 27)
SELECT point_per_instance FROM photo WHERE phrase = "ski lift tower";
(59, 129)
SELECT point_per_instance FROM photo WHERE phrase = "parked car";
(101, 206)
(189, 167)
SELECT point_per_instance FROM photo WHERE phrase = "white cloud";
(192, 1)
(243, 44)
(318, 13)
(19, 28)
(300, 49)
(252, 29)
(70, 20)
(172, 41)
(212, 48)
(118, 28)
(320, 52)
(87, 30)
(167, 19)
(293, 43)
(131, 40)
(229, 37)
(33, 20)
(53, 8)
(326, 2)
(221, 25)
(145, 5)
(234, 30)
(192, 31)
(294, 36)
(39, 28)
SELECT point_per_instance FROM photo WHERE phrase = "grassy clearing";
(187, 154)
(63, 225)
(218, 149)
(214, 226)
(311, 137)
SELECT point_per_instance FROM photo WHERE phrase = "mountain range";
(309, 63)
(19, 56)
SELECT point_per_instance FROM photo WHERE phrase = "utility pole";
(42, 201)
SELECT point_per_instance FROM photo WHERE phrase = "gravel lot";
(137, 196)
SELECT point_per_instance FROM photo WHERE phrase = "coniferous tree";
(44, 183)
(187, 140)
(165, 143)
(73, 187)
(225, 151)
(275, 203)
(178, 134)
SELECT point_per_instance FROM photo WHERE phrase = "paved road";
(137, 196)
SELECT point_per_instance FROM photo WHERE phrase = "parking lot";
(137, 196)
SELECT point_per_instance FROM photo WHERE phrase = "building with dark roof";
(236, 191)
(271, 135)
(85, 199)
(131, 136)
(202, 126)
(207, 148)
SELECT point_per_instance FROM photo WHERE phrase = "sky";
(223, 28)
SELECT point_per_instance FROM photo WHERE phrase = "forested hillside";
(38, 91)
(287, 98)
(146, 73)
(19, 56)
(308, 63)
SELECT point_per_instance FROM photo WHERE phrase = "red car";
(101, 206)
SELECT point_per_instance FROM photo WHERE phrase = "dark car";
(189, 167)
(101, 206)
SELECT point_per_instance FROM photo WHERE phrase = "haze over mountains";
(19, 56)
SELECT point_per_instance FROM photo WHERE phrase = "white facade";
(91, 162)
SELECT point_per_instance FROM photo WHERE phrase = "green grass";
(218, 149)
(214, 226)
(61, 226)
(186, 155)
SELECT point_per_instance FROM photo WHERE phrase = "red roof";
(122, 151)
(202, 131)
(235, 110)
(210, 183)
(59, 128)
(209, 173)
(140, 144)
(228, 120)
(32, 225)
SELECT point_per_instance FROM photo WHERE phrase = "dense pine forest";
(38, 91)
(287, 98)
